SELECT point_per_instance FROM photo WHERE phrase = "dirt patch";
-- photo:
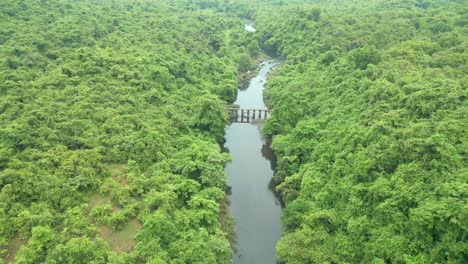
(122, 240)
(118, 175)
(98, 199)
(118, 167)
(124, 181)
(117, 171)
(116, 208)
(13, 247)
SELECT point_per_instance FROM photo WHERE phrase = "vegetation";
(111, 116)
(112, 112)
(369, 125)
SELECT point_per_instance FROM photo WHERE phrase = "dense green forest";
(370, 126)
(111, 115)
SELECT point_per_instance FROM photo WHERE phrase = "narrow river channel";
(254, 207)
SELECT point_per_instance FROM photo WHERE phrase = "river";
(255, 208)
(249, 27)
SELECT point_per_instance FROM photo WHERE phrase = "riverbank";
(252, 72)
(227, 222)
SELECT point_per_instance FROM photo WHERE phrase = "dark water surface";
(255, 208)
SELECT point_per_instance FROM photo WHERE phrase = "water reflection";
(244, 84)
(267, 152)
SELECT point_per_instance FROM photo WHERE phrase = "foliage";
(368, 123)
(84, 84)
(369, 126)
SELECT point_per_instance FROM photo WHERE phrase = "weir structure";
(239, 115)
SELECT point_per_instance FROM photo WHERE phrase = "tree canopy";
(112, 114)
(112, 111)
(369, 124)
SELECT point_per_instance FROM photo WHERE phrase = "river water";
(255, 208)
(249, 28)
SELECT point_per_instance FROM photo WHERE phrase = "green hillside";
(370, 128)
(111, 113)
